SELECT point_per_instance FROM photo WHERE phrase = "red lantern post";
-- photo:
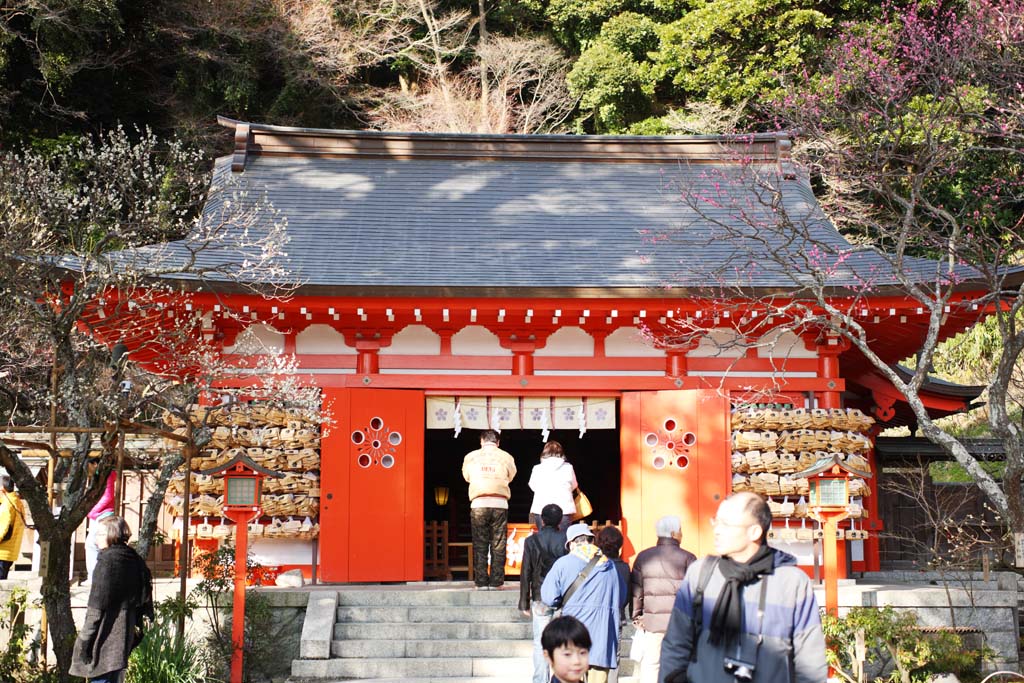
(242, 485)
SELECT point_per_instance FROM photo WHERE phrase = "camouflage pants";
(490, 535)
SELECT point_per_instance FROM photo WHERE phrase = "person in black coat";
(658, 573)
(121, 596)
(540, 550)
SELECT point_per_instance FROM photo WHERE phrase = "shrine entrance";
(392, 464)
(594, 455)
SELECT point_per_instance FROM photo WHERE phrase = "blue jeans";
(109, 677)
(542, 614)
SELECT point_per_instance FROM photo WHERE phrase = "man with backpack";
(747, 614)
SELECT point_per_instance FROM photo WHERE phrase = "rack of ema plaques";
(286, 440)
(769, 445)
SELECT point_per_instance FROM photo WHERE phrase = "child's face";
(569, 662)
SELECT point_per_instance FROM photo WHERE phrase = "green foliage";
(15, 666)
(951, 472)
(163, 657)
(12, 613)
(632, 33)
(654, 125)
(613, 87)
(731, 50)
(215, 593)
(578, 22)
(896, 646)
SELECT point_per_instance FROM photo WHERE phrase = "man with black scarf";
(756, 619)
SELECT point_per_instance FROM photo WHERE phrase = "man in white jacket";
(489, 470)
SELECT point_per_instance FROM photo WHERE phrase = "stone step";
(405, 668)
(431, 648)
(441, 597)
(402, 631)
(447, 615)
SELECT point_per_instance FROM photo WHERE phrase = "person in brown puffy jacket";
(657, 574)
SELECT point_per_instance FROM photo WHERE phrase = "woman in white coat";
(553, 480)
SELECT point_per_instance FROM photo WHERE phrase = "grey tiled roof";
(358, 222)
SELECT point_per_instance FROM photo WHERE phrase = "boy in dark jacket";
(566, 643)
(540, 551)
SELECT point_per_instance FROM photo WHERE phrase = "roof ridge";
(271, 140)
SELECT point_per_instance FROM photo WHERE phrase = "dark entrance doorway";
(595, 457)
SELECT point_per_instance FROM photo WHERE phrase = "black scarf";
(727, 617)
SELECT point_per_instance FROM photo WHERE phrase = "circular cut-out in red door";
(364, 460)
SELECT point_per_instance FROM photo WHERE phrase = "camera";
(741, 670)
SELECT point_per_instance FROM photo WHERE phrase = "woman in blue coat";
(597, 602)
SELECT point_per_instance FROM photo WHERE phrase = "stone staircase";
(419, 633)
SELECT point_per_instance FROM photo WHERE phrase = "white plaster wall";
(414, 340)
(322, 338)
(277, 551)
(568, 341)
(629, 341)
(259, 338)
(783, 344)
(720, 342)
(476, 340)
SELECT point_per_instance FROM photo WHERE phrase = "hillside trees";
(640, 61)
(68, 66)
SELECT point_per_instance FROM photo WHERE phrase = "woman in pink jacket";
(103, 508)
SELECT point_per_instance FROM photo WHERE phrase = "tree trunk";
(485, 94)
(147, 528)
(57, 600)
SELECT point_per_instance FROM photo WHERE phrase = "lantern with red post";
(242, 484)
(829, 503)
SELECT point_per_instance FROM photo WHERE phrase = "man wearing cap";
(489, 470)
(657, 574)
(595, 597)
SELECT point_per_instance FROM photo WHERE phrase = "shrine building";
(449, 283)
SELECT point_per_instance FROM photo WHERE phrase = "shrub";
(895, 648)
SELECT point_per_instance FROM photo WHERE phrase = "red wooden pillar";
(522, 347)
(241, 518)
(368, 362)
(829, 348)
